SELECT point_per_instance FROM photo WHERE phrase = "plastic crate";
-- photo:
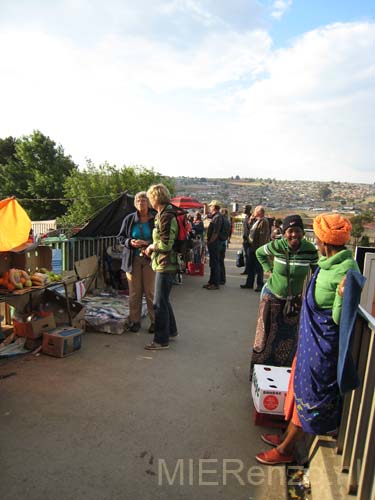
(269, 420)
(34, 329)
(196, 269)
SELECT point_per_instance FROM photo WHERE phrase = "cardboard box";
(32, 344)
(34, 329)
(87, 271)
(269, 388)
(33, 260)
(58, 304)
(62, 341)
(196, 269)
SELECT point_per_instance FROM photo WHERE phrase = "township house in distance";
(279, 197)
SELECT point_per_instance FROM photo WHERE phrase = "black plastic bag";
(240, 261)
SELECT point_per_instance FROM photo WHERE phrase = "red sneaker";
(272, 439)
(274, 457)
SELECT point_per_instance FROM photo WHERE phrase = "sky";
(279, 89)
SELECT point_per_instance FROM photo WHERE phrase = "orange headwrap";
(332, 229)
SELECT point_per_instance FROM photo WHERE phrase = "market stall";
(25, 276)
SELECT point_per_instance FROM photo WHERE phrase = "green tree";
(325, 192)
(364, 241)
(7, 149)
(34, 172)
(91, 189)
(357, 228)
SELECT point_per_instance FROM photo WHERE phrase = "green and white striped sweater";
(272, 257)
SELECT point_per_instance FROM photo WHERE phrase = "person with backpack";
(164, 262)
(214, 245)
(224, 236)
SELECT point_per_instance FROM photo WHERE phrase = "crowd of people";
(300, 303)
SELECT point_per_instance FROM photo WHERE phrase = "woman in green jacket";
(164, 263)
(289, 261)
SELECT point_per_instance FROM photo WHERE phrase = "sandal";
(274, 457)
(272, 439)
(153, 346)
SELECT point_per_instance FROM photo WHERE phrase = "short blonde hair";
(159, 193)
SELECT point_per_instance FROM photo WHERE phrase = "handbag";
(240, 261)
(293, 302)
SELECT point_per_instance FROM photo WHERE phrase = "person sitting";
(313, 401)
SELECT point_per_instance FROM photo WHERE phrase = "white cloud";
(192, 7)
(229, 105)
(279, 7)
(314, 112)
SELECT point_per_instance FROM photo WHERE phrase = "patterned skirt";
(276, 336)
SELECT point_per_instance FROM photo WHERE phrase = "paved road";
(115, 422)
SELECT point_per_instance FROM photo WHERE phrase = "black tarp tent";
(108, 221)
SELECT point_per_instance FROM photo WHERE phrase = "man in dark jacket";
(214, 245)
(259, 235)
(245, 233)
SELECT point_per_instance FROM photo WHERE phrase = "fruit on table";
(52, 275)
(15, 279)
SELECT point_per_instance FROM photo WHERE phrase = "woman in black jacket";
(136, 234)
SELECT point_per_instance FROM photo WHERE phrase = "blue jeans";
(214, 253)
(165, 323)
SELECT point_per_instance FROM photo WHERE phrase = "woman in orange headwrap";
(313, 401)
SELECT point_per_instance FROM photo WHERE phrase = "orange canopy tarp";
(15, 225)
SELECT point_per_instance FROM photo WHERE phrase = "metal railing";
(73, 249)
(356, 439)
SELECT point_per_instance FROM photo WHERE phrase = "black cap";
(292, 221)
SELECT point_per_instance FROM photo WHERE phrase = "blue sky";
(282, 89)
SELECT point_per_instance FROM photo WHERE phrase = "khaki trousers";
(141, 279)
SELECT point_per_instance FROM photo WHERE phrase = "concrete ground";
(116, 422)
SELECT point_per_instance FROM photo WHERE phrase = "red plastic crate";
(35, 328)
(196, 269)
(269, 420)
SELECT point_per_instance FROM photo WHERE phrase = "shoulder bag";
(293, 303)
